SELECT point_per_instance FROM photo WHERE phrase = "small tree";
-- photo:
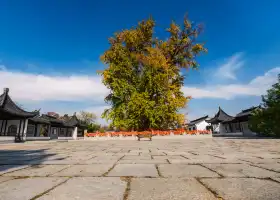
(93, 127)
(87, 117)
(266, 120)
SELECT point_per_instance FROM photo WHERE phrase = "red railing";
(154, 132)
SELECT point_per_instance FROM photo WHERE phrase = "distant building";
(242, 118)
(13, 119)
(224, 124)
(20, 125)
(198, 124)
(53, 114)
(221, 122)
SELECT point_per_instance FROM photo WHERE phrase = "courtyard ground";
(218, 168)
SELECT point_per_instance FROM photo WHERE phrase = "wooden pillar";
(22, 131)
(18, 134)
(35, 131)
(49, 131)
(1, 131)
(5, 129)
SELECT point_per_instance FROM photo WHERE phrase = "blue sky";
(49, 50)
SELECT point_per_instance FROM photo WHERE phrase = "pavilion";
(221, 122)
(13, 119)
(79, 127)
(242, 119)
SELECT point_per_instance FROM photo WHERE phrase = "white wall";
(202, 125)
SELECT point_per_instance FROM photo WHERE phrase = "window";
(237, 127)
(69, 132)
(12, 130)
(62, 132)
(30, 130)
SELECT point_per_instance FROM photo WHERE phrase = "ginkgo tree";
(144, 78)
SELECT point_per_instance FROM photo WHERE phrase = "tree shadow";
(12, 160)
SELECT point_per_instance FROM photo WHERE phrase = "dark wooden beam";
(2, 126)
(5, 129)
(36, 127)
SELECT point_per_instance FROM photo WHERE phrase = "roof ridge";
(199, 118)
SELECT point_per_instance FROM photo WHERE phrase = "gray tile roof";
(10, 108)
(245, 113)
(193, 122)
(221, 116)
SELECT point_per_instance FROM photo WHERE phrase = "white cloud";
(228, 69)
(255, 87)
(32, 87)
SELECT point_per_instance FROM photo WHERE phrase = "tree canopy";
(144, 77)
(265, 120)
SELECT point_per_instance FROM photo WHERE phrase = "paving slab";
(38, 170)
(5, 178)
(27, 188)
(147, 157)
(88, 188)
(99, 161)
(9, 168)
(271, 166)
(135, 170)
(199, 161)
(143, 162)
(241, 170)
(259, 160)
(85, 170)
(244, 188)
(169, 157)
(168, 189)
(189, 171)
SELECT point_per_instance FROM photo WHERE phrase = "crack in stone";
(47, 191)
(254, 165)
(127, 189)
(106, 173)
(209, 189)
(159, 173)
(211, 170)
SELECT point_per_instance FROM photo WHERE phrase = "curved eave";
(39, 121)
(13, 114)
(9, 107)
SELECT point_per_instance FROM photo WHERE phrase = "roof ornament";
(6, 90)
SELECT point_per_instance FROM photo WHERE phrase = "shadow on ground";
(15, 159)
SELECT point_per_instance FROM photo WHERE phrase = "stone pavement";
(218, 168)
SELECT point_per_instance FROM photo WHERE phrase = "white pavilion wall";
(202, 125)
